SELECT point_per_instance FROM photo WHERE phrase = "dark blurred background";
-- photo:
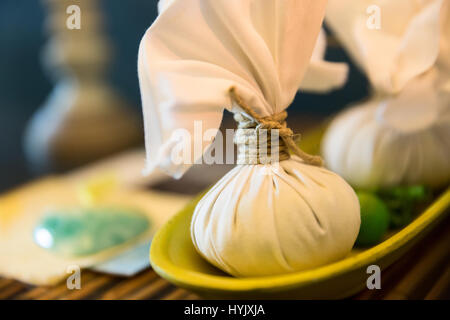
(24, 84)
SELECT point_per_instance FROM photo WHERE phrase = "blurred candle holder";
(83, 119)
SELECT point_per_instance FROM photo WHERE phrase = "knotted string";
(257, 145)
(274, 122)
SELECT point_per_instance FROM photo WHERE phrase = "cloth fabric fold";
(323, 76)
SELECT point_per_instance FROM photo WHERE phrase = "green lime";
(375, 219)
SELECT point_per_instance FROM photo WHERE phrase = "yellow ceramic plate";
(174, 258)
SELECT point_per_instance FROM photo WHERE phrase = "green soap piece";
(375, 219)
(85, 231)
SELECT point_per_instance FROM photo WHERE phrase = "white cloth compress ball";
(263, 220)
(260, 219)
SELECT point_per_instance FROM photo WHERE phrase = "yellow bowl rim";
(165, 268)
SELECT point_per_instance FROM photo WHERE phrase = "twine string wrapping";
(274, 122)
(257, 145)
